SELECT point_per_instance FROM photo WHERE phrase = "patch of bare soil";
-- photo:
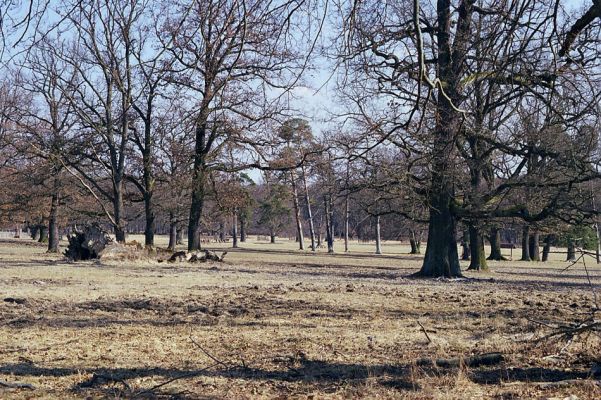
(263, 328)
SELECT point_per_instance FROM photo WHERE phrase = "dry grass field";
(272, 322)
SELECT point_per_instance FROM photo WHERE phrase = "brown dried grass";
(284, 324)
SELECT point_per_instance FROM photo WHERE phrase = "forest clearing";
(272, 323)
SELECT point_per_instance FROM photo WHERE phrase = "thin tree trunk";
(272, 236)
(533, 247)
(119, 226)
(478, 257)
(149, 217)
(242, 229)
(234, 230)
(297, 216)
(414, 242)
(180, 236)
(598, 246)
(172, 232)
(222, 231)
(329, 237)
(525, 243)
(378, 238)
(309, 213)
(53, 233)
(347, 215)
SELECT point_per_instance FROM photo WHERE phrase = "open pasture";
(272, 322)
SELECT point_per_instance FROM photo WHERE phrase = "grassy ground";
(273, 322)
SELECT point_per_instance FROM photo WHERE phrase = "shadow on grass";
(532, 374)
(313, 372)
(306, 371)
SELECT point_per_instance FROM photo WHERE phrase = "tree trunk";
(242, 229)
(329, 230)
(172, 232)
(309, 213)
(441, 257)
(546, 248)
(118, 226)
(43, 234)
(533, 247)
(598, 246)
(478, 257)
(272, 236)
(34, 232)
(525, 243)
(179, 237)
(347, 214)
(495, 244)
(149, 217)
(222, 231)
(465, 245)
(234, 230)
(571, 251)
(378, 238)
(414, 242)
(53, 234)
(297, 216)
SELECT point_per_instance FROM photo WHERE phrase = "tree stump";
(87, 244)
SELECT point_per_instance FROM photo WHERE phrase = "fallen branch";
(425, 332)
(17, 385)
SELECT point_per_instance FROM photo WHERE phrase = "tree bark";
(118, 226)
(525, 243)
(329, 230)
(347, 215)
(242, 229)
(234, 230)
(53, 233)
(34, 232)
(465, 245)
(414, 242)
(179, 237)
(598, 246)
(571, 251)
(533, 246)
(198, 183)
(546, 248)
(297, 216)
(441, 257)
(309, 213)
(495, 244)
(172, 232)
(43, 234)
(222, 230)
(378, 238)
(478, 257)
(149, 217)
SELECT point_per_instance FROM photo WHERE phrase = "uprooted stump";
(87, 244)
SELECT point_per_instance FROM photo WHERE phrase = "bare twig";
(425, 332)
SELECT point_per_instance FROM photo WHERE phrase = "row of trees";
(452, 114)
